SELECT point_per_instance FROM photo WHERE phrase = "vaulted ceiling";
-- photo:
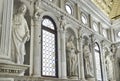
(109, 7)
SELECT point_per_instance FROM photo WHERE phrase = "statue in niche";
(87, 59)
(20, 34)
(108, 63)
(38, 9)
(113, 50)
(72, 57)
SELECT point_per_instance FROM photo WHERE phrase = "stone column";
(114, 60)
(37, 48)
(63, 55)
(81, 72)
(63, 48)
(5, 33)
(103, 61)
(93, 57)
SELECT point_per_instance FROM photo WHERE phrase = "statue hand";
(26, 38)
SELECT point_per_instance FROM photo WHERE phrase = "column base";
(90, 79)
(113, 80)
(63, 77)
(74, 77)
(36, 75)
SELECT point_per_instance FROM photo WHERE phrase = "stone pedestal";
(12, 69)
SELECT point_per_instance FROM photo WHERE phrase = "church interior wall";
(77, 30)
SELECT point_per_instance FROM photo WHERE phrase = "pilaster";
(103, 61)
(93, 57)
(37, 48)
(81, 72)
(63, 48)
(63, 52)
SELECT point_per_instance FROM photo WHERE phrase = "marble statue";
(38, 9)
(113, 50)
(72, 57)
(108, 63)
(88, 60)
(20, 34)
(62, 22)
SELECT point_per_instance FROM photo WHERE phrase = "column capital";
(63, 22)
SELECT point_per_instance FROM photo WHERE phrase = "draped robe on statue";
(20, 34)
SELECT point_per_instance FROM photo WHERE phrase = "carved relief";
(38, 9)
(20, 34)
(72, 57)
(87, 58)
(63, 22)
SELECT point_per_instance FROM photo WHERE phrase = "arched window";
(98, 64)
(49, 47)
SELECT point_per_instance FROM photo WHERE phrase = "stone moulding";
(6, 79)
(12, 69)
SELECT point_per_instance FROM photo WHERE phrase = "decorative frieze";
(12, 69)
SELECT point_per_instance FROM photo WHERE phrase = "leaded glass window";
(49, 48)
(98, 63)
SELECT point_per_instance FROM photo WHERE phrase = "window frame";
(83, 15)
(94, 26)
(53, 31)
(98, 51)
(70, 7)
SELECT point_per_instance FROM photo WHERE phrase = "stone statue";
(87, 59)
(108, 63)
(38, 9)
(113, 50)
(20, 34)
(72, 57)
(62, 22)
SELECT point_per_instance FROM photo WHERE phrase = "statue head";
(71, 38)
(37, 4)
(22, 9)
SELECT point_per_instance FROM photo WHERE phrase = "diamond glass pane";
(47, 23)
(98, 67)
(48, 54)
